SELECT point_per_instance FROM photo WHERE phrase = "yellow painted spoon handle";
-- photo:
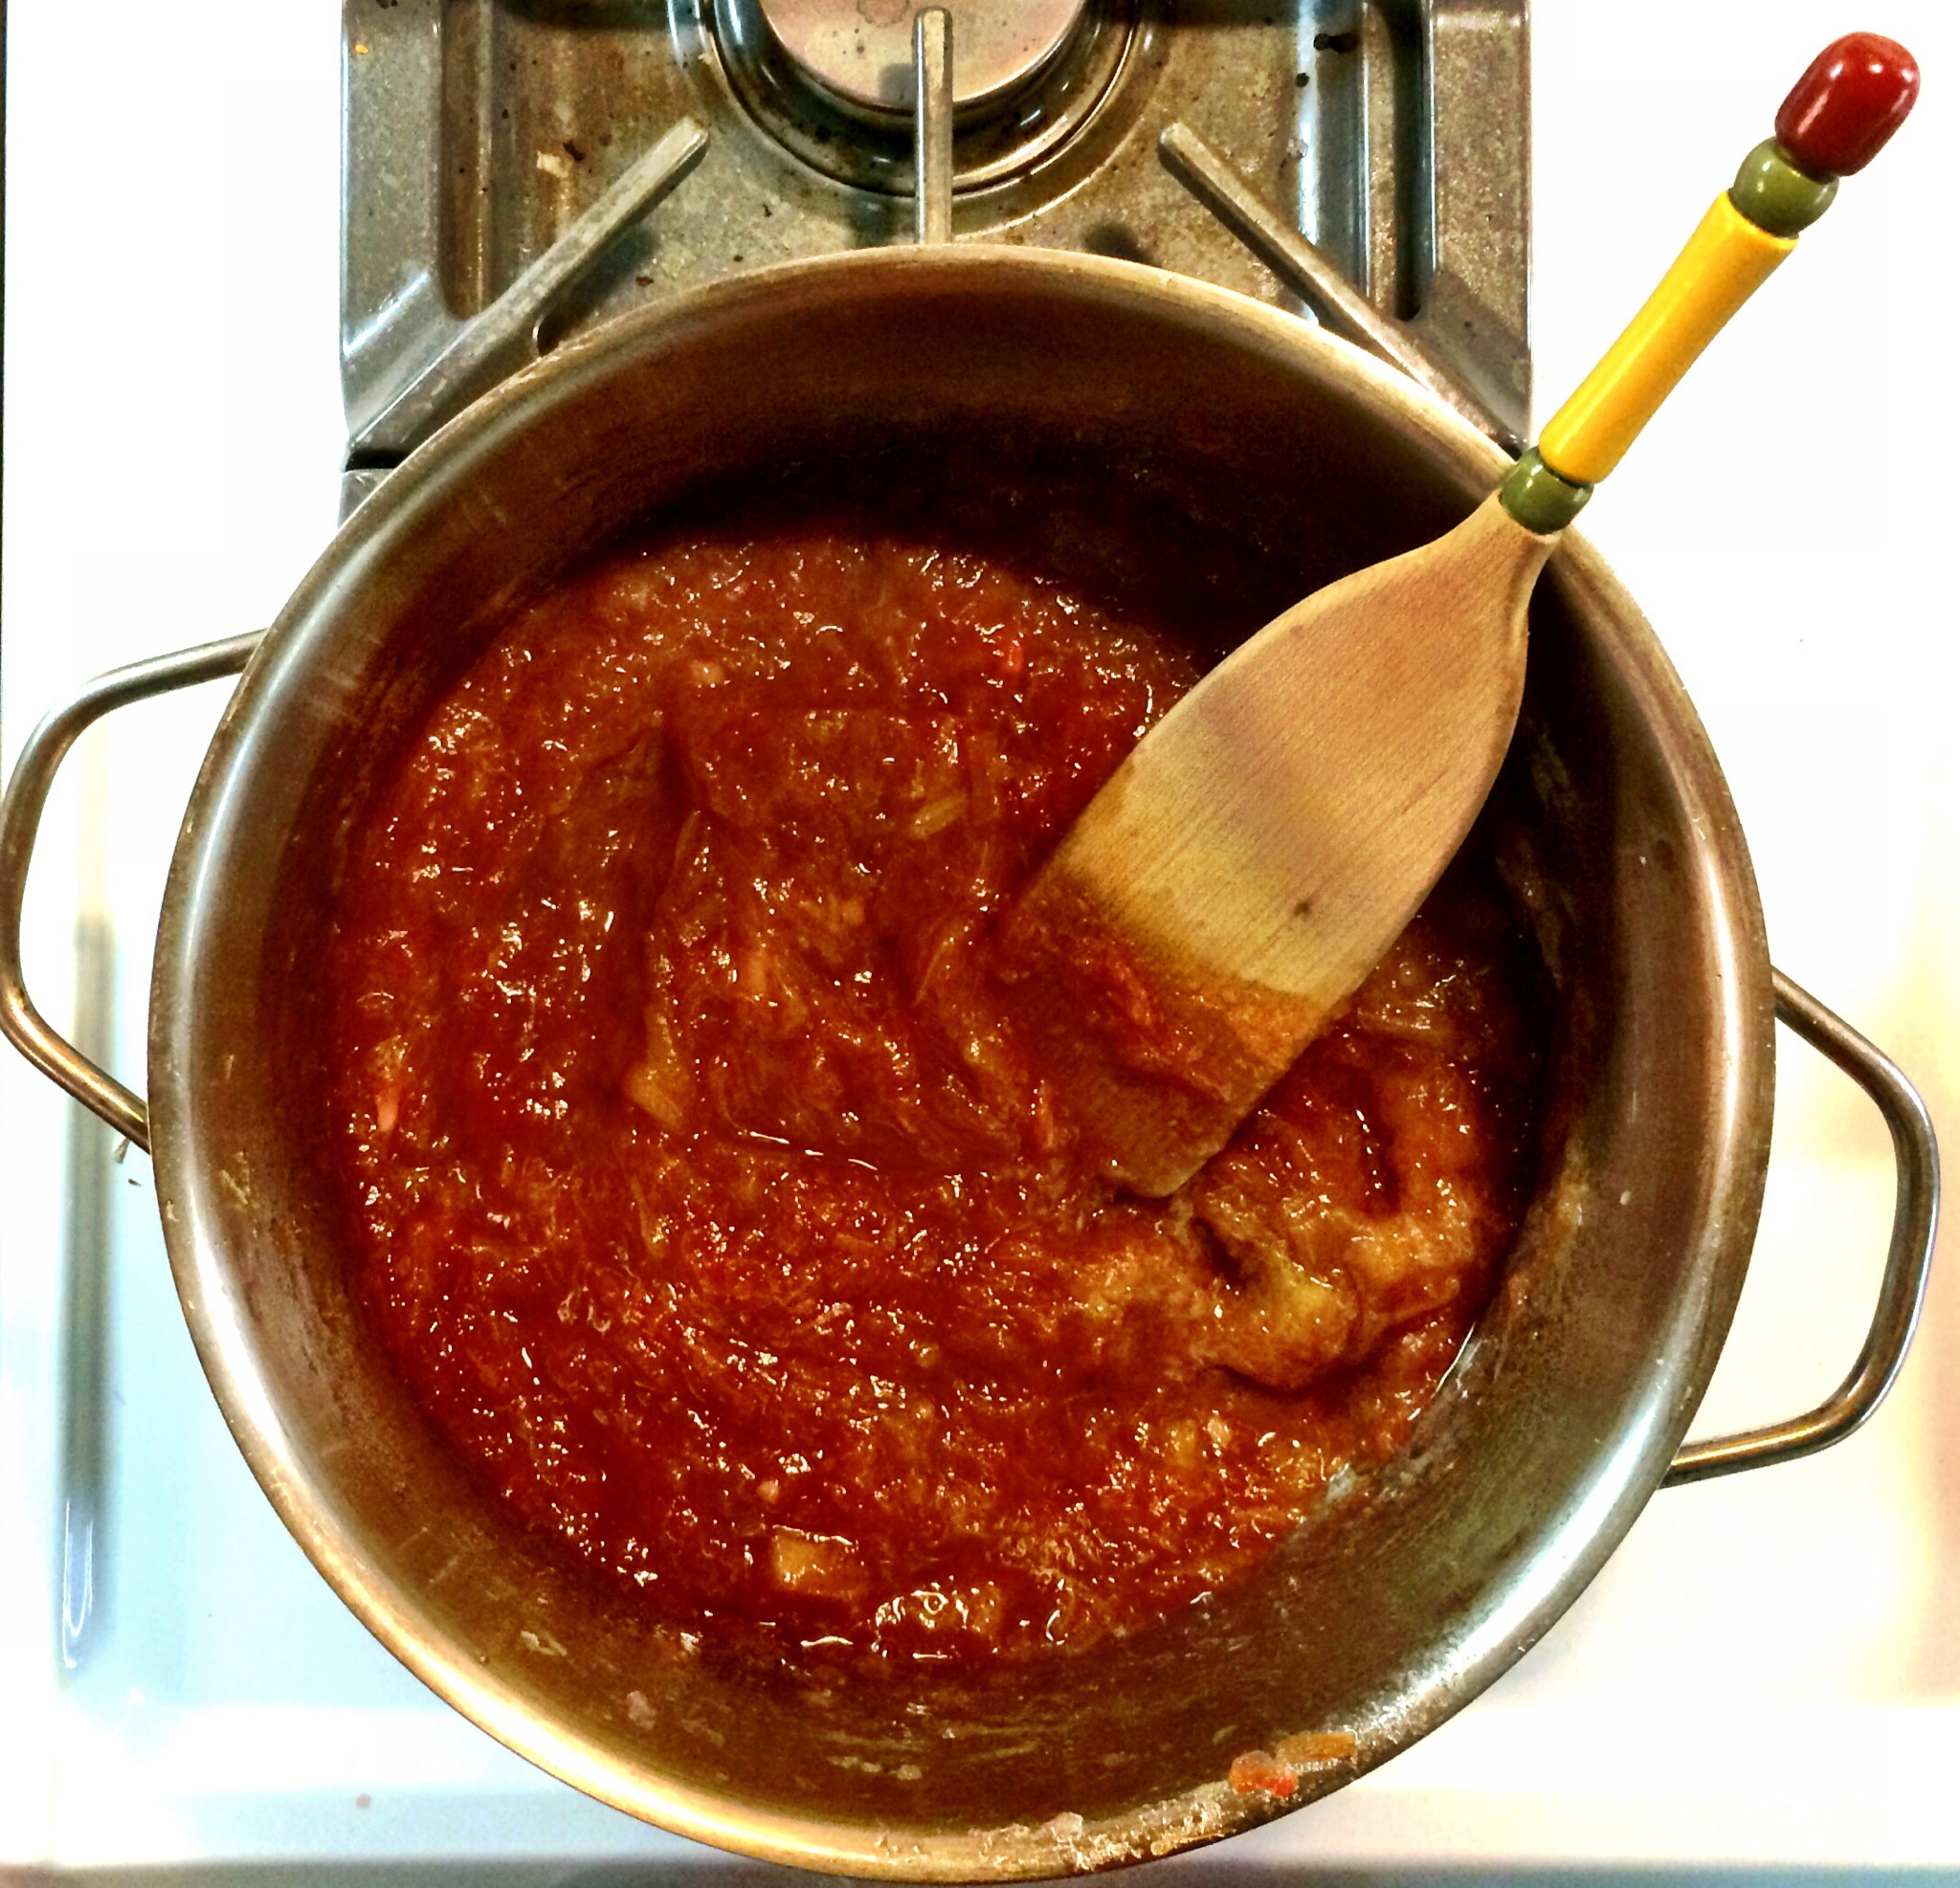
(1855, 94)
(1726, 260)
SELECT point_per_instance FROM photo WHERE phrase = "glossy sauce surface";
(706, 1189)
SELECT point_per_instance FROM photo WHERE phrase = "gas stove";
(1767, 1672)
(514, 174)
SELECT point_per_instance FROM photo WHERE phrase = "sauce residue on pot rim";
(706, 1188)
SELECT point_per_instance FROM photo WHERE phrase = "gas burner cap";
(860, 52)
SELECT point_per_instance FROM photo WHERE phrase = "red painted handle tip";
(1854, 97)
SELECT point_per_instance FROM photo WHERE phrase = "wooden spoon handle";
(1855, 94)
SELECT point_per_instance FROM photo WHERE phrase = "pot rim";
(1625, 1477)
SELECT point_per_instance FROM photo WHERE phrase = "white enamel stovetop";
(1767, 1672)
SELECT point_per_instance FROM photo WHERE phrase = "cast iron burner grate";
(517, 170)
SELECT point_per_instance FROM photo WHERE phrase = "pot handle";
(20, 820)
(1915, 1218)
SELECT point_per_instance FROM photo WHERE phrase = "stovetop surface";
(478, 131)
(1766, 1672)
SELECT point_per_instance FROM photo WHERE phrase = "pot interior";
(1383, 1613)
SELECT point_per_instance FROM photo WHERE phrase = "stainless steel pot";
(1383, 1613)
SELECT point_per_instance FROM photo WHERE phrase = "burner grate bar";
(458, 360)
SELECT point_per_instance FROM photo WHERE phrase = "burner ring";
(860, 52)
(1014, 109)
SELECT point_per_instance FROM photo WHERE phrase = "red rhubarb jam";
(708, 1193)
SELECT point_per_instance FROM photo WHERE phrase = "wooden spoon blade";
(1252, 859)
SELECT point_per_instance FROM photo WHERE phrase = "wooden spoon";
(1255, 855)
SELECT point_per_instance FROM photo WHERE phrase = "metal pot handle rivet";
(20, 820)
(1915, 1218)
